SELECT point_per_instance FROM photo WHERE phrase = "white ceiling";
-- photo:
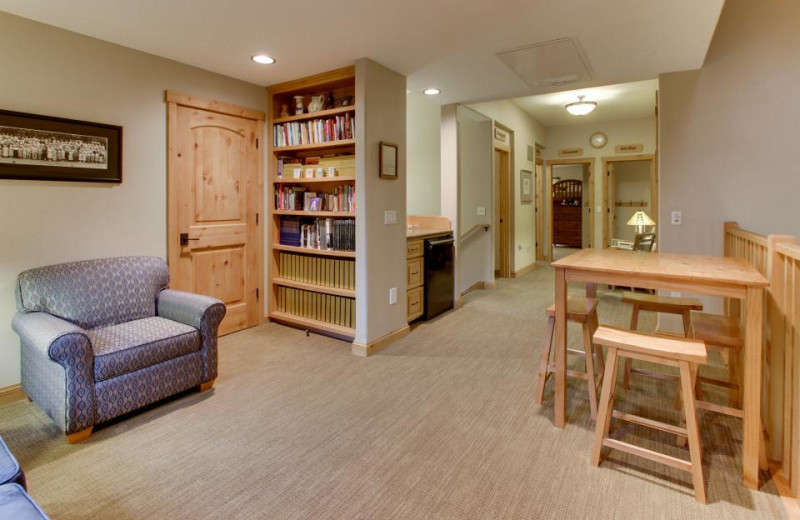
(636, 100)
(451, 44)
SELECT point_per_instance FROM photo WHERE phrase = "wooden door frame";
(174, 100)
(548, 199)
(507, 238)
(538, 210)
(653, 213)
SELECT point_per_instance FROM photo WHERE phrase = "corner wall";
(59, 73)
(423, 155)
(727, 146)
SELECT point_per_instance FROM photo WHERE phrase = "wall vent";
(549, 64)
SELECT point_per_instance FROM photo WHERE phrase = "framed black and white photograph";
(388, 161)
(525, 187)
(37, 147)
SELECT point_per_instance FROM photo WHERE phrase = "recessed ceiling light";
(431, 91)
(263, 59)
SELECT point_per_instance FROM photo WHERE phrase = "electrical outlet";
(482, 210)
(676, 218)
(393, 296)
(389, 217)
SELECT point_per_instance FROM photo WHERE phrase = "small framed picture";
(388, 161)
(525, 187)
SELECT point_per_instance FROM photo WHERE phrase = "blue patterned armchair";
(101, 338)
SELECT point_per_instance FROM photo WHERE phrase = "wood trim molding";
(11, 393)
(188, 100)
(525, 270)
(366, 350)
(479, 286)
(330, 76)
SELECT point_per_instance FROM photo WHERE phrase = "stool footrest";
(718, 408)
(650, 423)
(656, 375)
(551, 369)
(648, 454)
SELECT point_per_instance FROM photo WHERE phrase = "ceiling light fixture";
(263, 59)
(431, 91)
(580, 107)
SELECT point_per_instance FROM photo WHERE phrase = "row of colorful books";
(318, 270)
(328, 308)
(298, 198)
(314, 131)
(328, 234)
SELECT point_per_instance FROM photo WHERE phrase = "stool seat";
(677, 352)
(654, 302)
(718, 330)
(578, 309)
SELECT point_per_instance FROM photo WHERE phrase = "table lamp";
(640, 220)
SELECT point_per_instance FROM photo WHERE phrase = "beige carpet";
(440, 425)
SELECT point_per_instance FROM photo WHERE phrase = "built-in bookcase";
(312, 248)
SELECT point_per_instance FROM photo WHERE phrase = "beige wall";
(423, 155)
(380, 116)
(527, 131)
(58, 73)
(727, 149)
(619, 132)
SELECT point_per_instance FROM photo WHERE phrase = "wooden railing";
(783, 377)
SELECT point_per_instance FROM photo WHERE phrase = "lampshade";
(581, 107)
(640, 218)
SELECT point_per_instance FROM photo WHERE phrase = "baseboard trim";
(11, 393)
(366, 350)
(479, 286)
(525, 270)
(458, 303)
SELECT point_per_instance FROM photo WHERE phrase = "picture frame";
(388, 161)
(525, 187)
(39, 147)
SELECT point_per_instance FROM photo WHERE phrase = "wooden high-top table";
(694, 274)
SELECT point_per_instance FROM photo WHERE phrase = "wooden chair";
(685, 354)
(583, 311)
(644, 242)
(655, 303)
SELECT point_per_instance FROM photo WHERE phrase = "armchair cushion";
(9, 467)
(94, 293)
(16, 504)
(131, 346)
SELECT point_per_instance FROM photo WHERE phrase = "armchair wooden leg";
(202, 387)
(82, 435)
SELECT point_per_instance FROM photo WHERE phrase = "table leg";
(751, 393)
(561, 350)
(591, 290)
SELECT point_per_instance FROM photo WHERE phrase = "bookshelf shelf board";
(322, 114)
(309, 180)
(309, 323)
(343, 214)
(310, 251)
(348, 293)
(315, 146)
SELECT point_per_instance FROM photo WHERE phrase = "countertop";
(420, 226)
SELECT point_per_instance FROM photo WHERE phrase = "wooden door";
(214, 200)
(502, 246)
(611, 211)
(539, 210)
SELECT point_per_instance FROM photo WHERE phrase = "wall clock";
(598, 140)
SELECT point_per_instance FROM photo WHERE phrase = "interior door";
(611, 210)
(539, 211)
(215, 196)
(502, 246)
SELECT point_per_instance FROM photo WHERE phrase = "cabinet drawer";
(414, 248)
(415, 272)
(415, 302)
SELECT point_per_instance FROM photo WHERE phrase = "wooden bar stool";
(725, 334)
(655, 303)
(583, 311)
(685, 354)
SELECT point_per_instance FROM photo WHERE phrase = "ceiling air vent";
(548, 64)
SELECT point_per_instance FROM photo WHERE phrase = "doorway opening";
(539, 209)
(503, 214)
(630, 184)
(569, 204)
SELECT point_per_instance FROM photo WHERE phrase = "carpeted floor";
(439, 425)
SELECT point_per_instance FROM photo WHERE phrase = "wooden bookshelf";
(327, 307)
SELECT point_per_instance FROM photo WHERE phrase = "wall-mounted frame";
(525, 187)
(37, 147)
(388, 161)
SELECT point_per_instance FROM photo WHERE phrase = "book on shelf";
(327, 234)
(298, 198)
(314, 131)
(328, 308)
(339, 273)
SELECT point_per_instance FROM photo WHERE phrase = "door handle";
(185, 239)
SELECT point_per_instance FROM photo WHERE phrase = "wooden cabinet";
(568, 213)
(415, 278)
(312, 250)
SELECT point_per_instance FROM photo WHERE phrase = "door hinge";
(257, 293)
(256, 143)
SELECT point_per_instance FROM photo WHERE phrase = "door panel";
(215, 196)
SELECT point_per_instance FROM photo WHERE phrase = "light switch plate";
(393, 296)
(676, 218)
(389, 217)
(482, 210)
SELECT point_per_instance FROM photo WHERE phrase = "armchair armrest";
(57, 368)
(201, 312)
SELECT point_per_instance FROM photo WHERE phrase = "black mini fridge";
(438, 276)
